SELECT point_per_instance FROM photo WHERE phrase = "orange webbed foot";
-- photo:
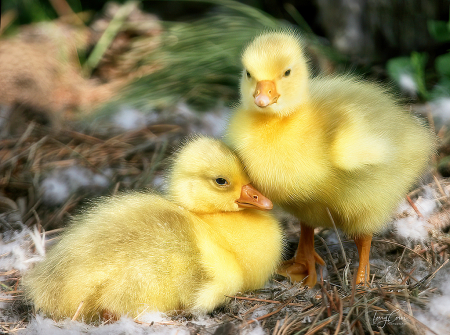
(297, 269)
(304, 262)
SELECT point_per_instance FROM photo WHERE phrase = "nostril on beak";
(255, 197)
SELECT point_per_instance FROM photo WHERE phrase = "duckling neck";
(274, 124)
(248, 234)
(240, 230)
(260, 139)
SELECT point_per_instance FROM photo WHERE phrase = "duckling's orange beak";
(251, 198)
(265, 93)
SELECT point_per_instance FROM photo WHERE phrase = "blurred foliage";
(196, 62)
(440, 30)
(415, 65)
(199, 61)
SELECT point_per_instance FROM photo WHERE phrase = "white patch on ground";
(129, 119)
(159, 183)
(60, 184)
(78, 176)
(408, 84)
(125, 326)
(153, 317)
(440, 306)
(258, 330)
(100, 180)
(437, 313)
(211, 123)
(15, 252)
(214, 123)
(332, 239)
(411, 227)
(440, 108)
(54, 190)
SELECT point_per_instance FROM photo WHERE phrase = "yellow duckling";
(336, 144)
(211, 237)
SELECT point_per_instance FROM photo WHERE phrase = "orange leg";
(304, 262)
(363, 243)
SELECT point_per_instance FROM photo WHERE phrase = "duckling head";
(275, 75)
(207, 177)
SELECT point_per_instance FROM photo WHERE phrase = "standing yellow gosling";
(210, 237)
(332, 143)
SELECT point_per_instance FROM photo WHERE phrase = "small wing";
(355, 146)
(360, 118)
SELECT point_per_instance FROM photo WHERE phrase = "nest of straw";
(335, 306)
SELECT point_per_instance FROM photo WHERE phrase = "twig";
(413, 205)
(341, 315)
(408, 275)
(271, 313)
(77, 313)
(339, 238)
(401, 257)
(408, 304)
(145, 309)
(277, 331)
(439, 186)
(366, 315)
(287, 326)
(78, 154)
(250, 310)
(270, 301)
(349, 329)
(315, 319)
(324, 292)
(23, 153)
(163, 323)
(323, 324)
(352, 299)
(25, 135)
(83, 137)
(332, 262)
(430, 277)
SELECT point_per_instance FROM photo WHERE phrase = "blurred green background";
(380, 39)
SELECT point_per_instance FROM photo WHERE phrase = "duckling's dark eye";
(221, 182)
(287, 73)
(248, 74)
